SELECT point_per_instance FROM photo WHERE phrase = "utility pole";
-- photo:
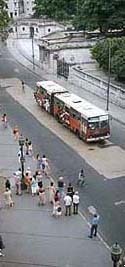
(32, 37)
(109, 75)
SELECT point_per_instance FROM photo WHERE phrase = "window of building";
(15, 13)
(15, 4)
(27, 2)
(37, 30)
(23, 28)
(49, 30)
(27, 9)
(6, 6)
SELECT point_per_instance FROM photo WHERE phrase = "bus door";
(75, 121)
(52, 104)
(83, 128)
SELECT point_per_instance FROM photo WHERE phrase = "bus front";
(98, 128)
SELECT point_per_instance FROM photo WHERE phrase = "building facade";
(20, 8)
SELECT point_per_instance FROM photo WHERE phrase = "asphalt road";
(98, 192)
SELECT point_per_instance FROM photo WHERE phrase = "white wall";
(97, 86)
(40, 29)
(28, 7)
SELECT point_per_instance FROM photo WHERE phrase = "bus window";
(93, 125)
(104, 124)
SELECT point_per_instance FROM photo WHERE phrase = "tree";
(4, 19)
(100, 52)
(56, 9)
(104, 14)
(118, 64)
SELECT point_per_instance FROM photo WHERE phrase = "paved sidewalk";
(33, 237)
(50, 74)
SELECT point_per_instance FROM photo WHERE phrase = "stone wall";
(97, 86)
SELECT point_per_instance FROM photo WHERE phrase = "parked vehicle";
(87, 121)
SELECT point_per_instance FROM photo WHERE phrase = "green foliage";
(90, 14)
(100, 52)
(4, 19)
(56, 9)
(104, 14)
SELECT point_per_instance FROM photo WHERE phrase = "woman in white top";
(52, 191)
(44, 165)
(30, 149)
(34, 186)
(8, 198)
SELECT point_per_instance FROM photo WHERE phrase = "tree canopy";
(104, 14)
(3, 15)
(91, 14)
(100, 52)
(56, 9)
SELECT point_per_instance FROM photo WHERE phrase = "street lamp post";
(22, 159)
(116, 252)
(32, 37)
(109, 75)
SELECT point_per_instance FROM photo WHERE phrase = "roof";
(85, 108)
(70, 100)
(51, 87)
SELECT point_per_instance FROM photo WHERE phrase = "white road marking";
(119, 202)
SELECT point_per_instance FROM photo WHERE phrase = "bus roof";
(51, 87)
(86, 109)
(69, 99)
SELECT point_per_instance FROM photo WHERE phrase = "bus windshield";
(98, 122)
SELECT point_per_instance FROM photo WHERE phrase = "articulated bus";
(87, 121)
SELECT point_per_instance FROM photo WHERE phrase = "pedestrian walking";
(27, 146)
(17, 177)
(4, 120)
(2, 246)
(42, 196)
(45, 165)
(7, 184)
(61, 185)
(8, 198)
(70, 190)
(57, 196)
(30, 149)
(75, 202)
(57, 210)
(39, 178)
(23, 86)
(34, 186)
(16, 133)
(27, 181)
(52, 192)
(94, 225)
(28, 170)
(81, 178)
(39, 162)
(68, 204)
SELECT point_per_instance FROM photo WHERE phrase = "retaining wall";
(97, 86)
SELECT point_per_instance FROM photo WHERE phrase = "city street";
(104, 194)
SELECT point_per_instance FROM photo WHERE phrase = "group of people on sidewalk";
(64, 199)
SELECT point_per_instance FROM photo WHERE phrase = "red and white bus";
(87, 121)
(45, 92)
